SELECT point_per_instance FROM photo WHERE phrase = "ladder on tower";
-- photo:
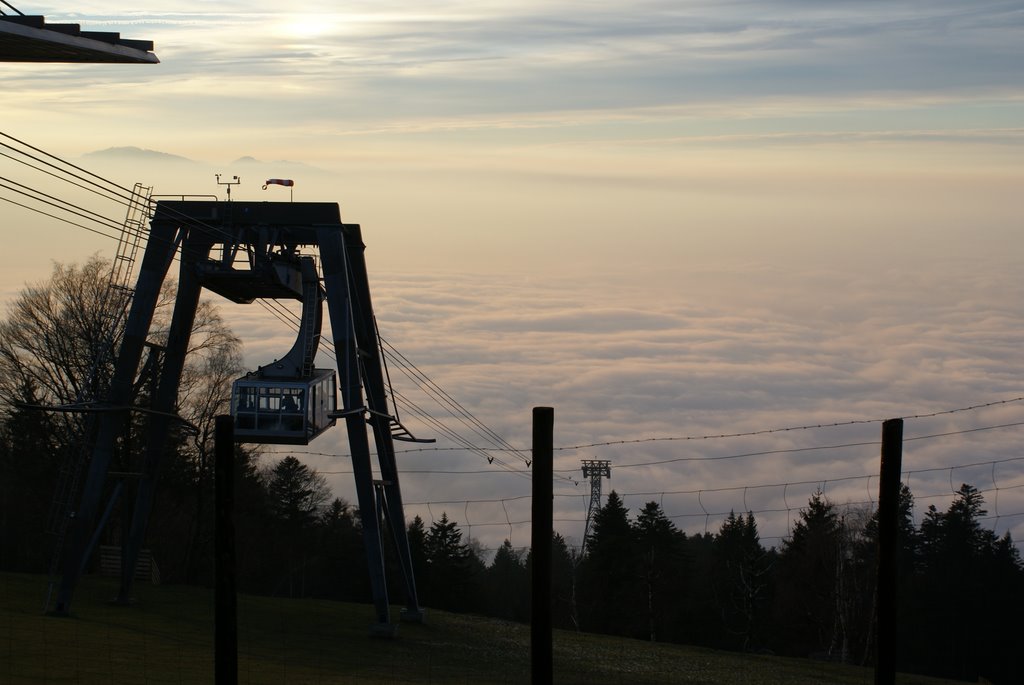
(118, 295)
(140, 209)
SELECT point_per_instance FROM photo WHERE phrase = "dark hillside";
(168, 636)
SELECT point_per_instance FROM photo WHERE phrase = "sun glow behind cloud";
(309, 26)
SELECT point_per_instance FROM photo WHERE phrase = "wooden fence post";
(225, 597)
(541, 664)
(888, 550)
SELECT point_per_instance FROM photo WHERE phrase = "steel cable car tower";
(594, 469)
(245, 251)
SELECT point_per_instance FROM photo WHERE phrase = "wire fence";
(776, 504)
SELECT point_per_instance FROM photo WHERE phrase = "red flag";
(279, 182)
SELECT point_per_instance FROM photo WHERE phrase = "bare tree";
(55, 338)
(60, 337)
(57, 347)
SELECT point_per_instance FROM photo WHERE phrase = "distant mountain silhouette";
(277, 168)
(137, 154)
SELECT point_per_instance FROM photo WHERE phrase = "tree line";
(961, 588)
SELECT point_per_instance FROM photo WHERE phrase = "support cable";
(704, 512)
(451, 401)
(47, 199)
(467, 419)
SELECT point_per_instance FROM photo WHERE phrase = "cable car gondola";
(288, 401)
(282, 411)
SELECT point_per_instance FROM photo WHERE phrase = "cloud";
(395, 64)
(642, 374)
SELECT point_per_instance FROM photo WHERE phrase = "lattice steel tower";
(595, 470)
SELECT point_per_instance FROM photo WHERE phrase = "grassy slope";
(167, 637)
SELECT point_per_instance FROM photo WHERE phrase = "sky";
(666, 220)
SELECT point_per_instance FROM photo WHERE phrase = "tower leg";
(413, 612)
(157, 258)
(377, 401)
(164, 403)
(339, 285)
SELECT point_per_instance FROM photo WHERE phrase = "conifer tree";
(508, 585)
(805, 601)
(661, 569)
(609, 575)
(416, 533)
(295, 495)
(453, 571)
(741, 581)
(338, 551)
(968, 595)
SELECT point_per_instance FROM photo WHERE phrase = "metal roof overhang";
(31, 39)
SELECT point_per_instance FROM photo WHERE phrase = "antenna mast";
(233, 182)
